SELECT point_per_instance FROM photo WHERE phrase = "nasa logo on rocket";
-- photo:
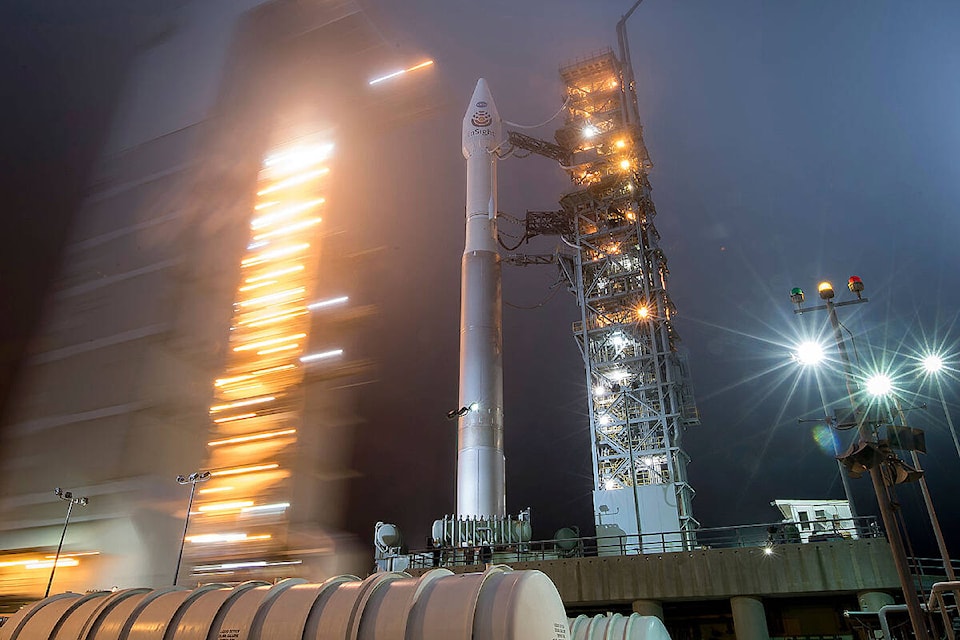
(480, 117)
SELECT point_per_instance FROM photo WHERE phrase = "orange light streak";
(242, 416)
(286, 347)
(276, 253)
(254, 374)
(252, 437)
(263, 221)
(275, 319)
(267, 343)
(251, 287)
(274, 274)
(279, 295)
(225, 506)
(241, 403)
(235, 471)
(296, 226)
(215, 490)
(306, 176)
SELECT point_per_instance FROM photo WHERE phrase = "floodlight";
(809, 353)
(933, 363)
(879, 385)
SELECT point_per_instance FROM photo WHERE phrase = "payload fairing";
(480, 459)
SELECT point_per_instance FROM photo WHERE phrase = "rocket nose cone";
(482, 90)
(482, 99)
(481, 123)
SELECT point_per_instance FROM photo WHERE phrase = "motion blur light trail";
(256, 416)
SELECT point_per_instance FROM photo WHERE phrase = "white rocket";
(480, 460)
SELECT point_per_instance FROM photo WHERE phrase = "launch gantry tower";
(639, 394)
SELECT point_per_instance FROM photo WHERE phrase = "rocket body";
(480, 459)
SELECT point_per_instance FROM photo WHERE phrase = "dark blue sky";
(792, 141)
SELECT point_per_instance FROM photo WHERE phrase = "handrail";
(766, 535)
(935, 603)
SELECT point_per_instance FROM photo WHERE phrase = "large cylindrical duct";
(618, 627)
(498, 604)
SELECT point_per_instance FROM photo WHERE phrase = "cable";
(516, 246)
(853, 342)
(555, 287)
(534, 126)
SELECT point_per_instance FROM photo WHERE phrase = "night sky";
(792, 141)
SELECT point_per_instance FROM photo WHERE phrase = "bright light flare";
(809, 353)
(879, 385)
(299, 157)
(298, 179)
(395, 74)
(932, 363)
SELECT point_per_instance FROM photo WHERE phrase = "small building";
(818, 520)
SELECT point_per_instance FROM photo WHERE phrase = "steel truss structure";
(639, 393)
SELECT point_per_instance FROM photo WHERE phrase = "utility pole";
(70, 500)
(192, 480)
(867, 441)
(928, 501)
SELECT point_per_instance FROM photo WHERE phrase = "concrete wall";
(792, 570)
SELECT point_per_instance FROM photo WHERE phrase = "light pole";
(192, 480)
(810, 354)
(866, 448)
(881, 387)
(70, 500)
(933, 365)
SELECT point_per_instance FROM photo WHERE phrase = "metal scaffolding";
(639, 393)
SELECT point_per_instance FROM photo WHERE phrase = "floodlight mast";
(69, 498)
(927, 498)
(864, 435)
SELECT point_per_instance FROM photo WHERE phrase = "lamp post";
(70, 500)
(192, 480)
(810, 354)
(881, 387)
(933, 365)
(866, 440)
